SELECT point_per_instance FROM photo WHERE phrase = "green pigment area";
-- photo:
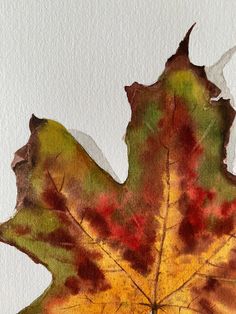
(136, 141)
(35, 222)
(209, 125)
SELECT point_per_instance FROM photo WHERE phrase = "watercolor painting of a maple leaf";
(162, 241)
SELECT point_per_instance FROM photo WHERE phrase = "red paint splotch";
(73, 284)
(54, 199)
(91, 275)
(132, 233)
(58, 237)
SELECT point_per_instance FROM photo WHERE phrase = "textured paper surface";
(53, 51)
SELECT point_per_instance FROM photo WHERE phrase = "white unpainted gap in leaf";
(215, 74)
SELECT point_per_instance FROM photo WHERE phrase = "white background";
(69, 60)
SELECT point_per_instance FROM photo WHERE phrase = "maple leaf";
(164, 240)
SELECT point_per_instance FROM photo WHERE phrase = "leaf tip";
(35, 122)
(183, 48)
(130, 92)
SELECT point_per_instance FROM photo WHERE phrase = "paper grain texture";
(69, 61)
